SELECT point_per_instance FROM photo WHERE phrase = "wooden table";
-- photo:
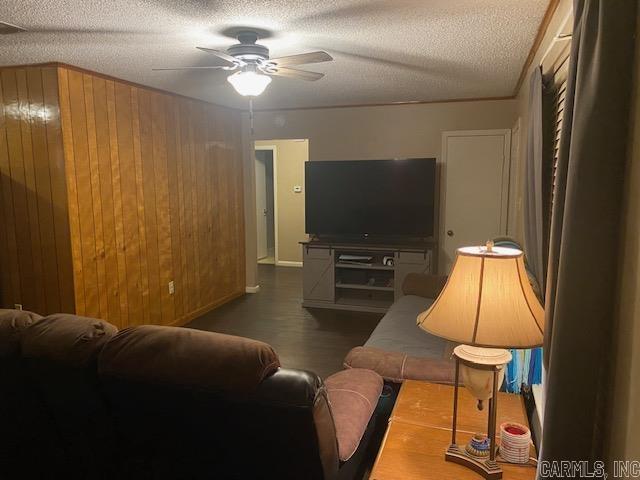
(419, 432)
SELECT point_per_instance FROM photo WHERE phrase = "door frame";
(506, 175)
(274, 153)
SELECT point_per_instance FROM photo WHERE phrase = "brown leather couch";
(155, 402)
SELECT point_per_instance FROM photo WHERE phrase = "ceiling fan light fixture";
(249, 83)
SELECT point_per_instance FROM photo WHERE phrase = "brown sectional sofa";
(20, 417)
(81, 400)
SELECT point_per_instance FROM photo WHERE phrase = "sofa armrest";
(422, 285)
(396, 367)
(353, 396)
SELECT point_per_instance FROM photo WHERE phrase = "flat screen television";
(384, 198)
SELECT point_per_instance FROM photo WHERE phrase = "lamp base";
(489, 469)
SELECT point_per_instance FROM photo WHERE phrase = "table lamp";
(487, 305)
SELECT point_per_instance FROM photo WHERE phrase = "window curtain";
(525, 366)
(585, 231)
(533, 187)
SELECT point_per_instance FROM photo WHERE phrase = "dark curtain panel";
(585, 227)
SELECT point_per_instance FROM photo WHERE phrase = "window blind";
(559, 83)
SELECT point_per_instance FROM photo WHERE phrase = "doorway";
(265, 205)
(474, 200)
(279, 189)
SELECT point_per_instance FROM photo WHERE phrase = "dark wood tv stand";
(371, 286)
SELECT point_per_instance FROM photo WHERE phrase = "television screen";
(370, 197)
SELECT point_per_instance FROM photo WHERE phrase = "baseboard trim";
(287, 263)
(207, 308)
(249, 289)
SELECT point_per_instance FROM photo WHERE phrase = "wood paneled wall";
(35, 254)
(153, 195)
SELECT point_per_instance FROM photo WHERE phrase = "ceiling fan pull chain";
(251, 114)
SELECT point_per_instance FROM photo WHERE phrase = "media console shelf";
(367, 285)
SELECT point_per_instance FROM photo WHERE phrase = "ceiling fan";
(253, 66)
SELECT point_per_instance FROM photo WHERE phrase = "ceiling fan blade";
(311, 57)
(222, 55)
(219, 67)
(295, 73)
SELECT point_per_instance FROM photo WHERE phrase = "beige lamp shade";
(487, 302)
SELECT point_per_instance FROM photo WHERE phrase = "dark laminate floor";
(311, 339)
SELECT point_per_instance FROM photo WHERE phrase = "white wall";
(360, 133)
(289, 160)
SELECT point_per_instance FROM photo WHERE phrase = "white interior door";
(476, 189)
(261, 208)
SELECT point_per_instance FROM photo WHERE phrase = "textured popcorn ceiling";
(384, 50)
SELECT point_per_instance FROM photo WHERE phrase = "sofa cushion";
(191, 404)
(353, 396)
(188, 358)
(399, 332)
(21, 417)
(12, 324)
(66, 339)
(77, 438)
(397, 366)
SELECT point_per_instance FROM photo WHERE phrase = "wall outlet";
(172, 288)
(17, 306)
